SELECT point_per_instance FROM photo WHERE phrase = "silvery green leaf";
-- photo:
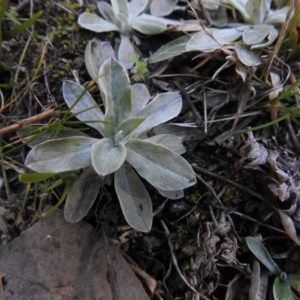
(90, 110)
(258, 286)
(116, 88)
(31, 135)
(107, 156)
(96, 53)
(240, 5)
(172, 49)
(255, 34)
(203, 42)
(148, 24)
(294, 281)
(173, 195)
(170, 141)
(129, 125)
(184, 130)
(247, 56)
(120, 6)
(136, 7)
(257, 10)
(262, 254)
(134, 199)
(107, 12)
(61, 155)
(123, 24)
(161, 109)
(160, 166)
(268, 41)
(82, 195)
(162, 7)
(95, 23)
(277, 16)
(139, 97)
(126, 52)
(282, 290)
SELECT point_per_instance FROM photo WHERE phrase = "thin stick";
(175, 261)
(19, 124)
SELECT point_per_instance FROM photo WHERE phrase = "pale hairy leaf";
(107, 156)
(120, 6)
(172, 49)
(139, 97)
(247, 56)
(95, 23)
(148, 24)
(72, 91)
(160, 110)
(61, 155)
(240, 5)
(96, 53)
(203, 42)
(160, 166)
(162, 7)
(255, 34)
(262, 254)
(116, 88)
(257, 10)
(281, 290)
(170, 141)
(126, 52)
(268, 41)
(107, 12)
(259, 283)
(294, 281)
(136, 7)
(134, 199)
(277, 16)
(173, 195)
(289, 227)
(82, 195)
(129, 125)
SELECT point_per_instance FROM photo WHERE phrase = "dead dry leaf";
(54, 260)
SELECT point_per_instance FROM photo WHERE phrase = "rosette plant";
(122, 16)
(125, 151)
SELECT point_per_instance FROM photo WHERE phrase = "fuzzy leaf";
(262, 254)
(82, 195)
(255, 34)
(96, 53)
(116, 88)
(107, 156)
(203, 42)
(172, 49)
(169, 141)
(96, 23)
(160, 166)
(148, 24)
(281, 290)
(136, 7)
(173, 195)
(129, 125)
(161, 109)
(294, 281)
(277, 16)
(71, 92)
(120, 7)
(61, 155)
(126, 52)
(247, 56)
(107, 12)
(162, 8)
(134, 199)
(139, 97)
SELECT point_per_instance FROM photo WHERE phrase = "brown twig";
(31, 120)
